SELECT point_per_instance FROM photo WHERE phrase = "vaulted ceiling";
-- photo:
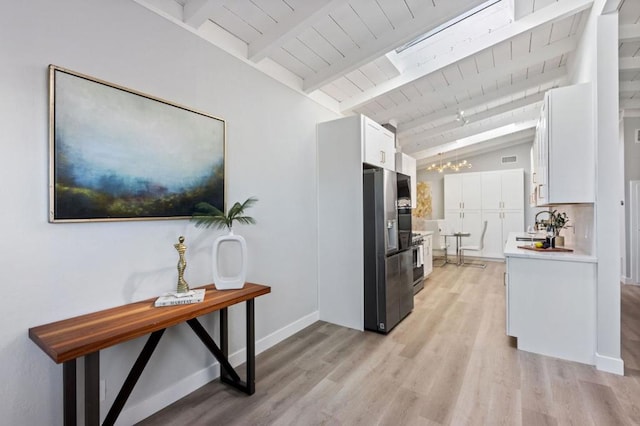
(455, 77)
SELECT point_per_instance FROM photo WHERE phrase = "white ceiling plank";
(490, 76)
(319, 45)
(372, 16)
(555, 12)
(305, 55)
(629, 33)
(358, 78)
(629, 103)
(287, 29)
(397, 11)
(501, 109)
(611, 6)
(387, 42)
(629, 86)
(502, 142)
(490, 134)
(629, 12)
(472, 129)
(196, 12)
(331, 31)
(626, 64)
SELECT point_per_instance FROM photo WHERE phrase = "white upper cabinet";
(379, 145)
(406, 165)
(462, 191)
(564, 148)
(503, 190)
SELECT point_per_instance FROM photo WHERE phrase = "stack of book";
(175, 298)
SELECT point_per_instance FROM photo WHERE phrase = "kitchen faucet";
(545, 223)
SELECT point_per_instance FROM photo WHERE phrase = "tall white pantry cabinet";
(343, 145)
(496, 197)
(463, 206)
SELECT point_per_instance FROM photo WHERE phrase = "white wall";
(56, 271)
(596, 62)
(631, 172)
(482, 163)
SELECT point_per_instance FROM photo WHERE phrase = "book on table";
(175, 298)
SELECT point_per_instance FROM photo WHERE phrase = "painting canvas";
(118, 154)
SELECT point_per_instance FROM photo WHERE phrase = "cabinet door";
(471, 191)
(512, 184)
(428, 255)
(472, 223)
(506, 298)
(453, 219)
(512, 221)
(378, 145)
(570, 135)
(493, 246)
(541, 171)
(452, 192)
(388, 148)
(491, 190)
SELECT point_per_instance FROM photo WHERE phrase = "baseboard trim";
(628, 281)
(610, 364)
(178, 390)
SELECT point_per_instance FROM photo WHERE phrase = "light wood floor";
(448, 363)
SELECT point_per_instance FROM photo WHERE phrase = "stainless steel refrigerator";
(388, 264)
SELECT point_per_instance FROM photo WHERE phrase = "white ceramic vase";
(229, 248)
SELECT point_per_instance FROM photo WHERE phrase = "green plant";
(558, 221)
(208, 216)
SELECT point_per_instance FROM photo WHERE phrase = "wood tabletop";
(75, 337)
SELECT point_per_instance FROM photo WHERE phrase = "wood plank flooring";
(448, 363)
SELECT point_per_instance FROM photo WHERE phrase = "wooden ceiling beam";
(629, 63)
(474, 131)
(487, 77)
(552, 13)
(512, 107)
(388, 41)
(554, 75)
(500, 142)
(497, 130)
(629, 33)
(629, 86)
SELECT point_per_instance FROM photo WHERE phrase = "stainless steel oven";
(417, 248)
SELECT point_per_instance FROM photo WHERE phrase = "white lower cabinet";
(428, 255)
(551, 307)
(499, 225)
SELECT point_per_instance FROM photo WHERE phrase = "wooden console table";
(65, 341)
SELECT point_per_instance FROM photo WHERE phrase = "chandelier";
(455, 166)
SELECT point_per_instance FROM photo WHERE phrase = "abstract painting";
(118, 154)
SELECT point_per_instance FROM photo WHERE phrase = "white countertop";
(511, 250)
(423, 233)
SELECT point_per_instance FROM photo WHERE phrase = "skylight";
(477, 22)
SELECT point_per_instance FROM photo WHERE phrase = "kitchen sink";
(529, 239)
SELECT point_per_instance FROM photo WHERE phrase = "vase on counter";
(559, 241)
(229, 250)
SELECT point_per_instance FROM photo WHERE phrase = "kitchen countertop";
(511, 250)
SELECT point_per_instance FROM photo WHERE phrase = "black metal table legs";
(92, 371)
(69, 392)
(227, 373)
